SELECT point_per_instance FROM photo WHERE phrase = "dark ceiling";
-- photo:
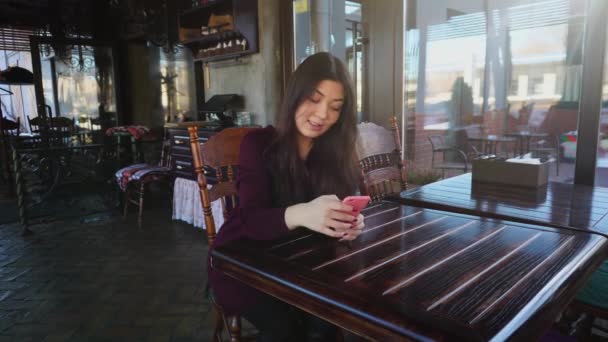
(99, 19)
(39, 13)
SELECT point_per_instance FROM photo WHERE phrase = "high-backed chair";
(62, 129)
(10, 127)
(35, 124)
(383, 169)
(38, 123)
(221, 153)
(58, 129)
(9, 133)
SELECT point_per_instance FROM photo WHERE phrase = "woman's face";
(321, 110)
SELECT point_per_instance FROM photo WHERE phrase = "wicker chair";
(383, 169)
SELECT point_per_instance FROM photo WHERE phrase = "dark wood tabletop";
(422, 274)
(560, 205)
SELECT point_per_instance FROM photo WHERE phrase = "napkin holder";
(500, 171)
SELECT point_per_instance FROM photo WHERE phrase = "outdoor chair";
(439, 146)
(547, 148)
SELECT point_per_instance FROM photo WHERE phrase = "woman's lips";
(315, 127)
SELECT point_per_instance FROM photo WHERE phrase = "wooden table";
(559, 205)
(422, 274)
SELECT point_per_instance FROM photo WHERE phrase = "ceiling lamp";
(16, 76)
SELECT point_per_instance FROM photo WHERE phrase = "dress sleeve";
(255, 216)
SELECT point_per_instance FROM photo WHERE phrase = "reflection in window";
(177, 86)
(334, 26)
(79, 84)
(495, 68)
(454, 70)
(22, 103)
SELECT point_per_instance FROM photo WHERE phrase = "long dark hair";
(331, 166)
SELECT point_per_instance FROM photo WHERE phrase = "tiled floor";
(98, 278)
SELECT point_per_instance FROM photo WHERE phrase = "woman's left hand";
(355, 230)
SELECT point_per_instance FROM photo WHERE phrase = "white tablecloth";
(187, 205)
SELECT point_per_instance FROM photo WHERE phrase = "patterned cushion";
(140, 172)
(136, 131)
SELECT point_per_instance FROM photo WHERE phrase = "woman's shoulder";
(259, 138)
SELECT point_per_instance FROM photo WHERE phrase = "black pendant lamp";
(16, 76)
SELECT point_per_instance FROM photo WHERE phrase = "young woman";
(294, 176)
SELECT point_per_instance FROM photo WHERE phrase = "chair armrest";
(444, 149)
(475, 152)
(460, 153)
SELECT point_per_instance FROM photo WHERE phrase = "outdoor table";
(489, 143)
(524, 139)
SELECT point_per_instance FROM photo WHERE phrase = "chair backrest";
(437, 142)
(474, 131)
(165, 154)
(35, 123)
(382, 167)
(10, 127)
(525, 113)
(559, 121)
(220, 152)
(63, 124)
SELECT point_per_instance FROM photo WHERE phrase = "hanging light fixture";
(16, 76)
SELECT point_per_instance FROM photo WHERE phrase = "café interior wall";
(256, 77)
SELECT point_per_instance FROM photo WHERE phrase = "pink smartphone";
(357, 202)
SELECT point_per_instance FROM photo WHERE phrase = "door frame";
(590, 106)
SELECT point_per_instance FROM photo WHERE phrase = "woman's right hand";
(325, 214)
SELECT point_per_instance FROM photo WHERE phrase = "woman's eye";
(337, 109)
(315, 99)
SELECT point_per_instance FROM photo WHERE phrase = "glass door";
(75, 80)
(500, 77)
(601, 171)
(335, 26)
(355, 51)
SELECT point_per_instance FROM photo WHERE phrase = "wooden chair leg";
(125, 204)
(219, 326)
(234, 328)
(142, 188)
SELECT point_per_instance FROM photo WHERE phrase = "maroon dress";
(254, 218)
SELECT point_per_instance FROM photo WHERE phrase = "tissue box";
(509, 173)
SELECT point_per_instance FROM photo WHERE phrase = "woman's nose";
(321, 112)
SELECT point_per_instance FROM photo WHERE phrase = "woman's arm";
(259, 220)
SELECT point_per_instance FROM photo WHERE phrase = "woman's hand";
(357, 228)
(326, 215)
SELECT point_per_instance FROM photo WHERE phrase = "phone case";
(357, 202)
